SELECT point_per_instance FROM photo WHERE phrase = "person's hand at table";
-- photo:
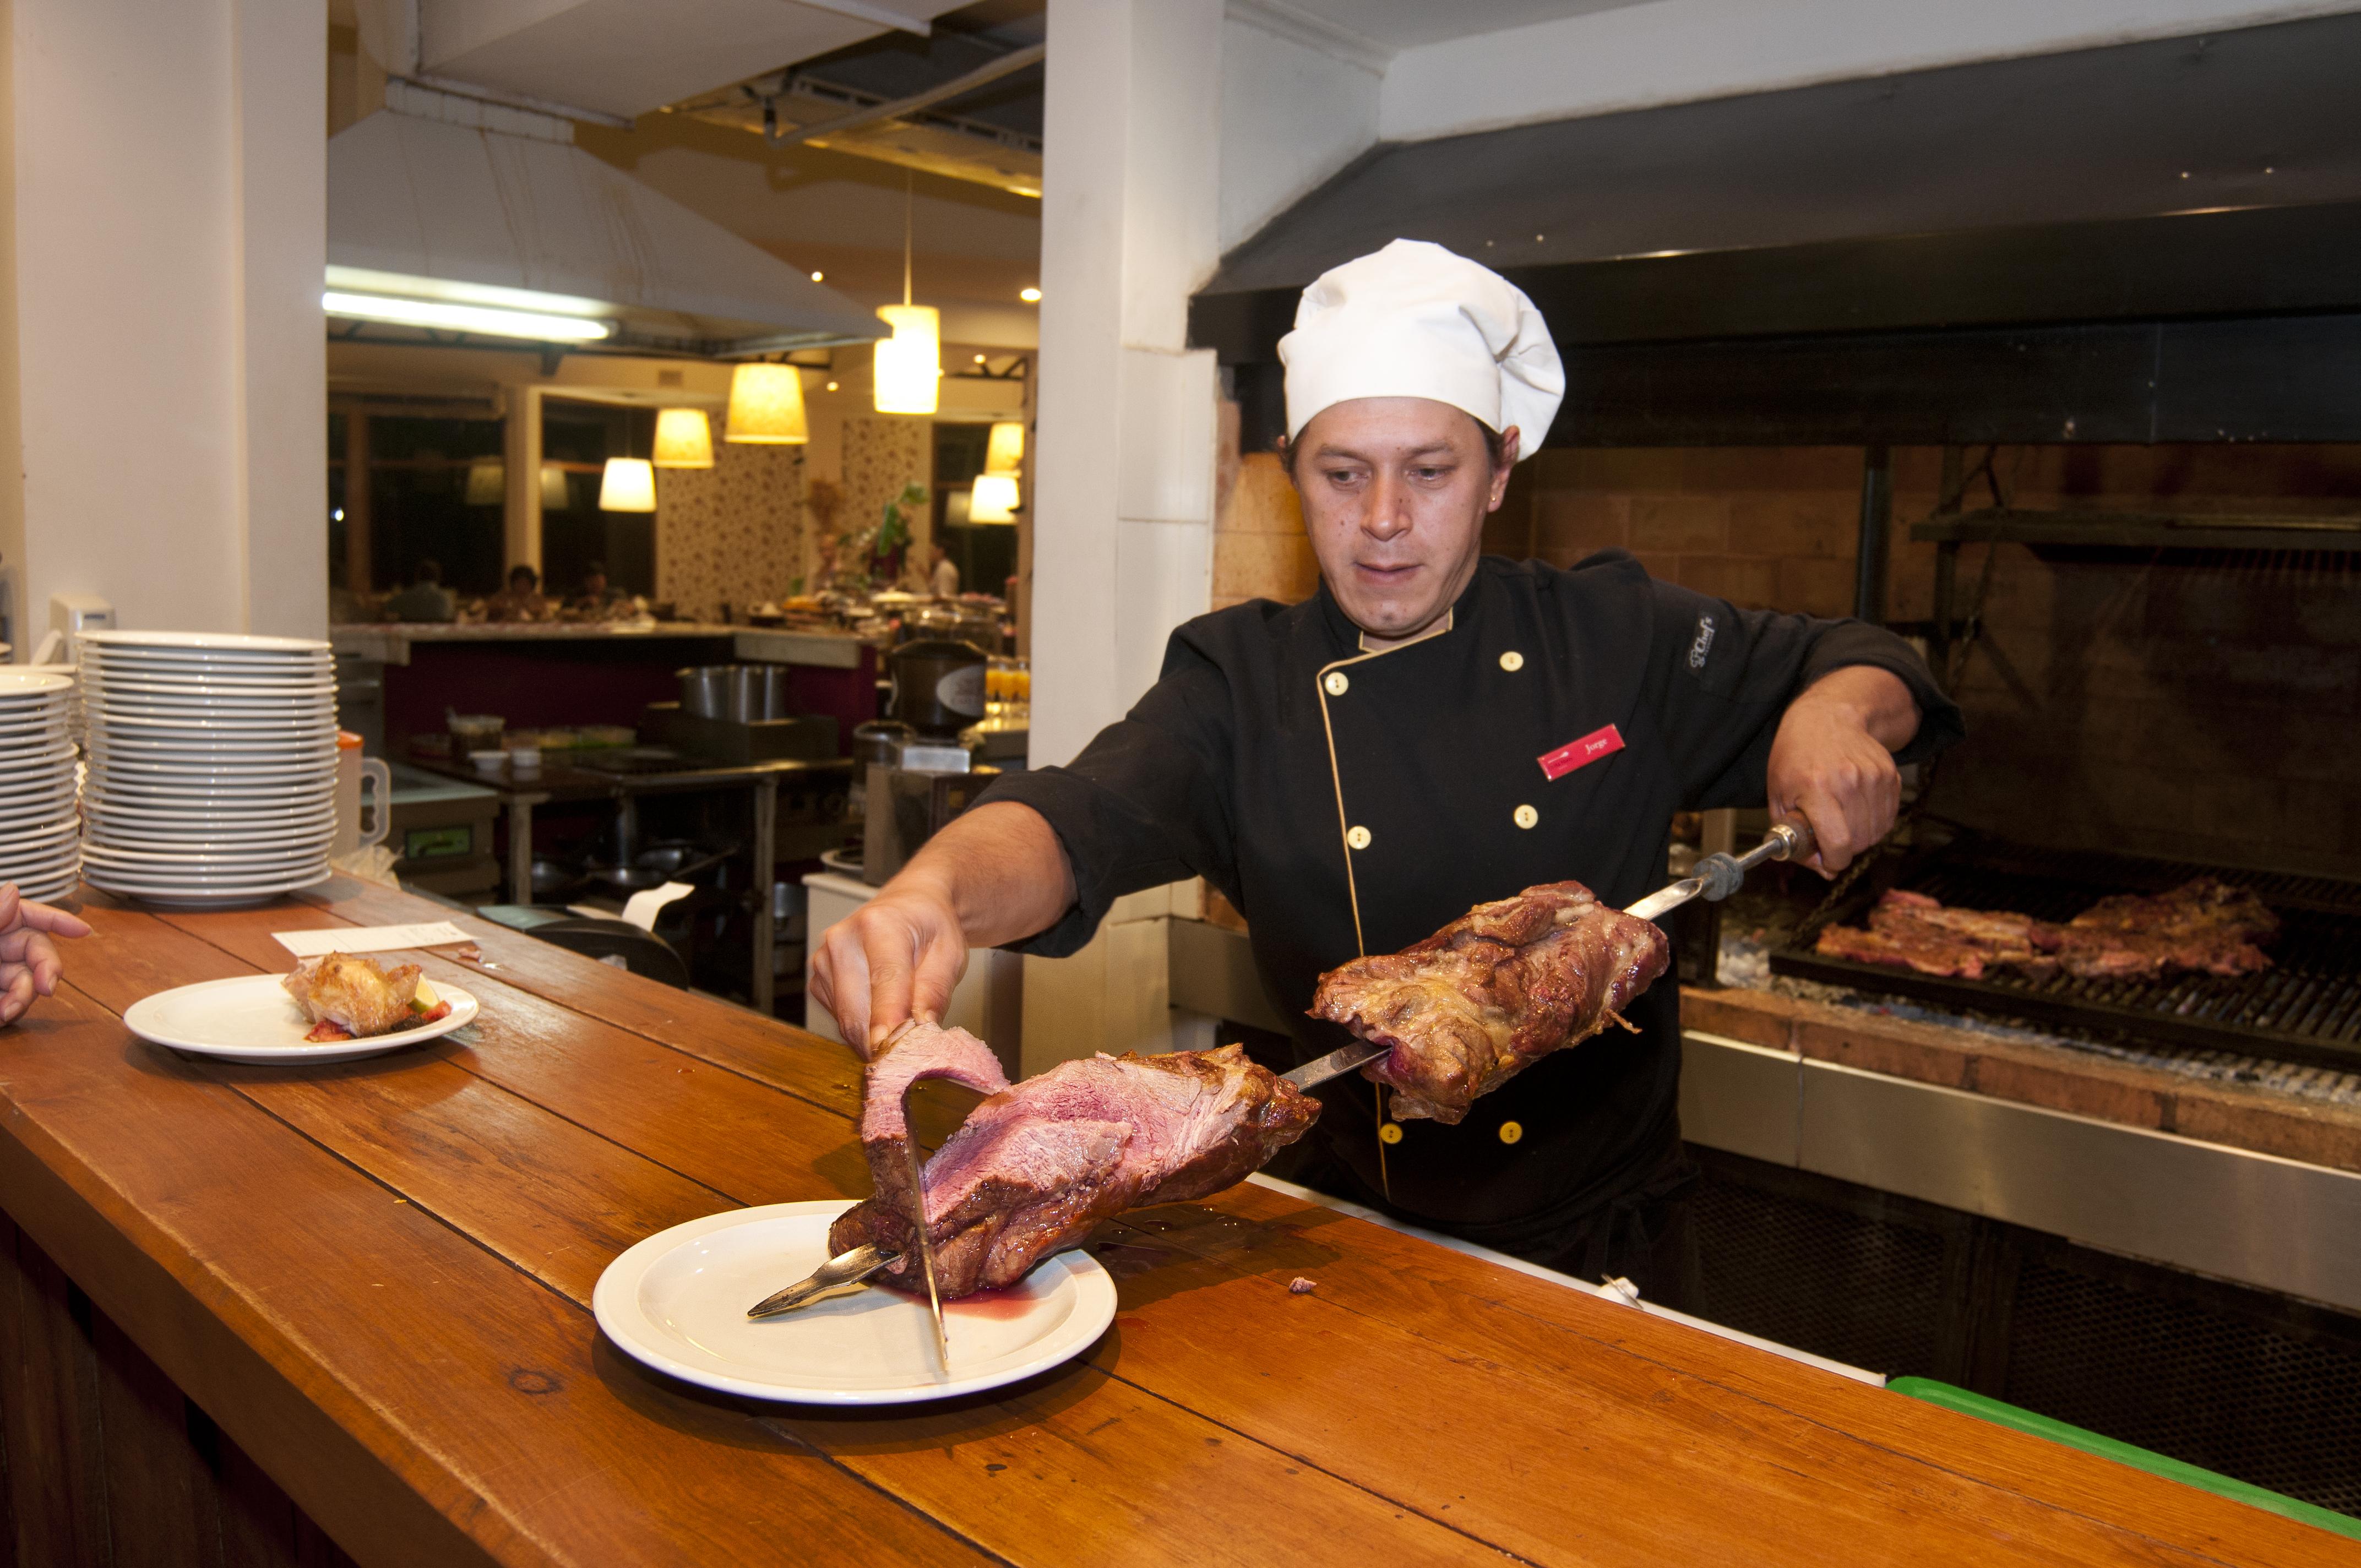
(30, 964)
(1832, 761)
(996, 874)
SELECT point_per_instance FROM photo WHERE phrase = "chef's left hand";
(1832, 761)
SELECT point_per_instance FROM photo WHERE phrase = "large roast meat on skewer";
(1492, 993)
(1037, 1165)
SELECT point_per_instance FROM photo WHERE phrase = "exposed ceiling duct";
(443, 200)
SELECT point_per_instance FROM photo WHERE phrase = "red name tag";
(1580, 753)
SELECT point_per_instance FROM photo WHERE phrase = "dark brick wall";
(2208, 710)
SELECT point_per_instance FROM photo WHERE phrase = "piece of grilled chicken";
(353, 994)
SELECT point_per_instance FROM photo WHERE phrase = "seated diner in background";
(425, 599)
(30, 964)
(521, 599)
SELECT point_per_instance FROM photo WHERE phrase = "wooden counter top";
(376, 1277)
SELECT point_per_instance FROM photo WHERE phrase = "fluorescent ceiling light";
(481, 319)
(416, 286)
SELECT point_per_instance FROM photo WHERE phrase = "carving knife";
(1716, 877)
(927, 1253)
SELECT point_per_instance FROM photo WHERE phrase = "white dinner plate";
(215, 645)
(677, 1301)
(38, 835)
(252, 1019)
(48, 892)
(104, 818)
(22, 686)
(163, 771)
(16, 760)
(34, 811)
(222, 865)
(183, 893)
(47, 863)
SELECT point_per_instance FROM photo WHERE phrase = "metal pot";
(758, 691)
(938, 686)
(705, 690)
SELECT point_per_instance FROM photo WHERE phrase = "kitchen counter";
(375, 1280)
(391, 642)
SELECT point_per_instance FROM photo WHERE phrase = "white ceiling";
(620, 57)
(1395, 25)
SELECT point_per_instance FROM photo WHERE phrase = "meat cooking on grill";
(2204, 925)
(1037, 1165)
(1911, 929)
(1492, 993)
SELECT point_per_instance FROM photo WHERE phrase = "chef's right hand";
(896, 958)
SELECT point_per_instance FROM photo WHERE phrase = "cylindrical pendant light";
(1005, 454)
(488, 482)
(992, 499)
(553, 493)
(684, 439)
(908, 364)
(628, 485)
(766, 406)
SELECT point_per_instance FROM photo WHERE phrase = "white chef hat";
(1417, 321)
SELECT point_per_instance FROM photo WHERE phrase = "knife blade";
(1719, 877)
(926, 1254)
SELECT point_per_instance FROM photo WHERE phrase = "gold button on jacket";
(1511, 1131)
(1512, 661)
(1358, 838)
(1525, 815)
(1338, 683)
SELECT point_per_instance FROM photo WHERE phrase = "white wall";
(1291, 116)
(1673, 51)
(168, 208)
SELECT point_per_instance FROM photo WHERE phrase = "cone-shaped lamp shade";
(766, 406)
(628, 485)
(992, 499)
(488, 482)
(909, 363)
(684, 439)
(1006, 453)
(553, 494)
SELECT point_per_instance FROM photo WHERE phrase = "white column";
(1124, 503)
(169, 209)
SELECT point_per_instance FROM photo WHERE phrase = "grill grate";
(2307, 1006)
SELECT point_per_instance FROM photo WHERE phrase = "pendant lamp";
(555, 496)
(1006, 452)
(908, 365)
(684, 439)
(766, 406)
(628, 485)
(488, 482)
(992, 499)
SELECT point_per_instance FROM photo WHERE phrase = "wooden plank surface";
(377, 1275)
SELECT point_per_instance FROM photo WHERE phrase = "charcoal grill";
(2306, 1007)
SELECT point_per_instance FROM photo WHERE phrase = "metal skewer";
(1716, 877)
(844, 1271)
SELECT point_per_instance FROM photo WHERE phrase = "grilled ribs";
(1489, 994)
(1037, 1165)
(2204, 925)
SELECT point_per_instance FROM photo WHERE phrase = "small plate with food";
(332, 1008)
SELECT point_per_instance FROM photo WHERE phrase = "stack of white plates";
(41, 844)
(211, 775)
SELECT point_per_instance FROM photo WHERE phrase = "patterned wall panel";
(733, 534)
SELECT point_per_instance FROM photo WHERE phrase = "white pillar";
(1124, 503)
(1123, 515)
(168, 213)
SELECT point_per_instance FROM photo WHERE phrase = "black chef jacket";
(1350, 802)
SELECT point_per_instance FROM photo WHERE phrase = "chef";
(1435, 728)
